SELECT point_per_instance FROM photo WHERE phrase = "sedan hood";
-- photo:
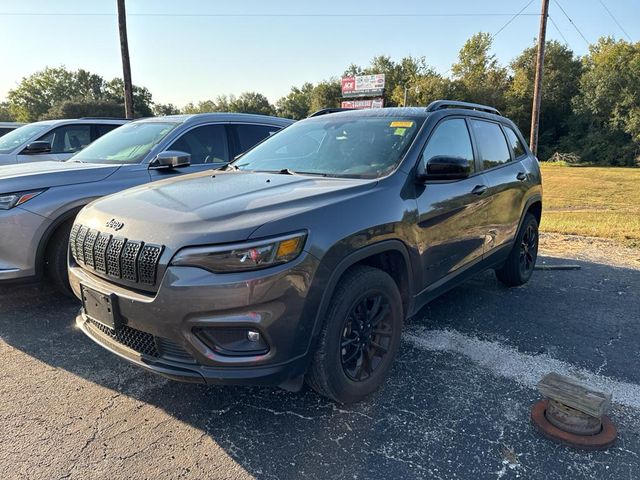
(213, 207)
(32, 176)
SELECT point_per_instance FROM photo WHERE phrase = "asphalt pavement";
(456, 406)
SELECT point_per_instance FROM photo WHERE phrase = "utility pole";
(537, 87)
(405, 96)
(126, 65)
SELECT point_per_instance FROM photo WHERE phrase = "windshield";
(16, 138)
(129, 143)
(360, 147)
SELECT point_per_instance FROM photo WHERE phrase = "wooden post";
(537, 87)
(126, 65)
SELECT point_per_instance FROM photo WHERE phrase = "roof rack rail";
(325, 111)
(104, 118)
(440, 104)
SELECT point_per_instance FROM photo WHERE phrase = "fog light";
(233, 341)
(253, 336)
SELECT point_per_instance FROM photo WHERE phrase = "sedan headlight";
(10, 200)
(243, 257)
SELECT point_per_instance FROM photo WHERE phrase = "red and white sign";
(361, 104)
(363, 85)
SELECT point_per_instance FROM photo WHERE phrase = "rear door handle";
(479, 189)
(521, 176)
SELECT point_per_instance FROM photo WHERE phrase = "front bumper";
(158, 330)
(20, 235)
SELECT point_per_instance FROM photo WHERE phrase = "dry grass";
(593, 201)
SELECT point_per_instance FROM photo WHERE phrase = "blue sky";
(217, 47)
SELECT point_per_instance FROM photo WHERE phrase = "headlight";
(243, 257)
(10, 200)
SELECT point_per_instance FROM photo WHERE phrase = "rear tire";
(56, 259)
(360, 336)
(518, 267)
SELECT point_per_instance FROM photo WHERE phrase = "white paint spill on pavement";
(508, 362)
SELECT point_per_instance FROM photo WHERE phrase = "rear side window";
(492, 146)
(103, 128)
(249, 135)
(4, 130)
(68, 138)
(451, 139)
(514, 143)
(206, 144)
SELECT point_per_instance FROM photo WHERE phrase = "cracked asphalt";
(71, 410)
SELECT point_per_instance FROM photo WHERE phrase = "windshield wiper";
(286, 171)
(229, 166)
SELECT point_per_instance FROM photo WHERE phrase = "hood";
(214, 207)
(30, 176)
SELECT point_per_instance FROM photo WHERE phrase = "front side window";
(514, 143)
(128, 144)
(342, 146)
(450, 139)
(206, 144)
(18, 137)
(492, 146)
(68, 138)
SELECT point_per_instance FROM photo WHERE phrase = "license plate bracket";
(100, 307)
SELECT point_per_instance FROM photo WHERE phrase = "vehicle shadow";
(420, 421)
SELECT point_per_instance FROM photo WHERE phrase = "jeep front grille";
(129, 260)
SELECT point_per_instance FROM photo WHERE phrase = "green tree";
(38, 93)
(297, 103)
(560, 83)
(5, 113)
(201, 107)
(326, 94)
(477, 75)
(608, 104)
(89, 108)
(161, 109)
(251, 102)
(142, 98)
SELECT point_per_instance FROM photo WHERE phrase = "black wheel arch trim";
(352, 259)
(533, 199)
(46, 237)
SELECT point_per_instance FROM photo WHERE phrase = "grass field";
(594, 201)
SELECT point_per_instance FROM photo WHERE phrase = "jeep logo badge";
(116, 225)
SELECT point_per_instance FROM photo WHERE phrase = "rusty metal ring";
(599, 441)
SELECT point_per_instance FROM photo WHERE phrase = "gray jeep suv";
(303, 257)
(38, 201)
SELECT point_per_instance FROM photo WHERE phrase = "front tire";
(518, 267)
(360, 336)
(56, 259)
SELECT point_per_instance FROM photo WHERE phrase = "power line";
(615, 20)
(558, 30)
(512, 19)
(571, 21)
(226, 15)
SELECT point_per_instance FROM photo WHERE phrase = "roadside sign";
(362, 104)
(363, 85)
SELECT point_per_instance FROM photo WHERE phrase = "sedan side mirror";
(37, 147)
(442, 167)
(171, 159)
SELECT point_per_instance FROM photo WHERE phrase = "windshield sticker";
(400, 131)
(404, 124)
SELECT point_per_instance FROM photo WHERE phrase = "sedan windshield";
(129, 143)
(16, 138)
(343, 146)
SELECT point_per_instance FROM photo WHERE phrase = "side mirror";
(442, 167)
(171, 159)
(37, 147)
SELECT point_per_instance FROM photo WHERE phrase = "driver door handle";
(479, 189)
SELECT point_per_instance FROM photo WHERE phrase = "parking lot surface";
(456, 406)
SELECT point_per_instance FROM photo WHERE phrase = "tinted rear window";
(492, 146)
